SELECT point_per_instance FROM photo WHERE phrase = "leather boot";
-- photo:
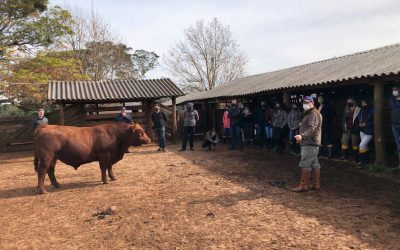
(316, 178)
(304, 179)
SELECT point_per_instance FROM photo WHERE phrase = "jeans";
(161, 137)
(236, 136)
(188, 133)
(261, 135)
(292, 133)
(396, 135)
(268, 131)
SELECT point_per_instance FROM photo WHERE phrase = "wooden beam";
(149, 126)
(62, 105)
(380, 147)
(286, 98)
(174, 121)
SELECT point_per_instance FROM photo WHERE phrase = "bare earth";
(197, 200)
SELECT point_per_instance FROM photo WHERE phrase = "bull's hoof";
(56, 185)
(42, 191)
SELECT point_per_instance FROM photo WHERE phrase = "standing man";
(40, 119)
(279, 123)
(234, 115)
(328, 114)
(158, 117)
(261, 124)
(294, 120)
(395, 115)
(124, 117)
(190, 118)
(351, 129)
(309, 139)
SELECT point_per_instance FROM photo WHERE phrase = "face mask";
(395, 93)
(306, 107)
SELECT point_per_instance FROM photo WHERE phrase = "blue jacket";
(395, 114)
(367, 116)
(125, 119)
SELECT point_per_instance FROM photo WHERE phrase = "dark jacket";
(125, 119)
(249, 119)
(328, 114)
(260, 117)
(367, 116)
(310, 128)
(39, 121)
(234, 115)
(158, 119)
(395, 113)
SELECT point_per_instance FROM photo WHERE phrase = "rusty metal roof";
(112, 90)
(375, 62)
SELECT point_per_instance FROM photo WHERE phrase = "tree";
(102, 55)
(28, 89)
(26, 24)
(143, 61)
(208, 56)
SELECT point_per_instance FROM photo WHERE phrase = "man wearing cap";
(309, 138)
(124, 117)
(395, 115)
(40, 119)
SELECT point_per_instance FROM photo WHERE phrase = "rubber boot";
(304, 179)
(316, 173)
(344, 154)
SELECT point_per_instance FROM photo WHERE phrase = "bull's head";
(138, 136)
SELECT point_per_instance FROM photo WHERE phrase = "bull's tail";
(36, 163)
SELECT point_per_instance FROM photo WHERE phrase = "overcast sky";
(273, 34)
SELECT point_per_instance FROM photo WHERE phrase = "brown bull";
(79, 145)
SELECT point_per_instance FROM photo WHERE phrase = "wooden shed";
(88, 103)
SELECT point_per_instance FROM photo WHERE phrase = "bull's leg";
(103, 168)
(52, 177)
(41, 177)
(111, 173)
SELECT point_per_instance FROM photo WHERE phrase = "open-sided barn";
(368, 74)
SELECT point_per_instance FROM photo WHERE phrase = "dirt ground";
(197, 200)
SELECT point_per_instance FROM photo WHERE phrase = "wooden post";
(286, 98)
(174, 132)
(149, 129)
(380, 147)
(61, 114)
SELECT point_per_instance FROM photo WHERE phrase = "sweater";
(225, 120)
(39, 121)
(279, 119)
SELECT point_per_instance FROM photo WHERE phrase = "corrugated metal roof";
(111, 90)
(375, 62)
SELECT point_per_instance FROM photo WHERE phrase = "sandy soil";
(197, 200)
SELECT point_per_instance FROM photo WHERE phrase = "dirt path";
(197, 200)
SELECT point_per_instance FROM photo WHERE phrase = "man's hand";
(298, 138)
(362, 124)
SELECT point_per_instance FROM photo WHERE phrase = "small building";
(88, 103)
